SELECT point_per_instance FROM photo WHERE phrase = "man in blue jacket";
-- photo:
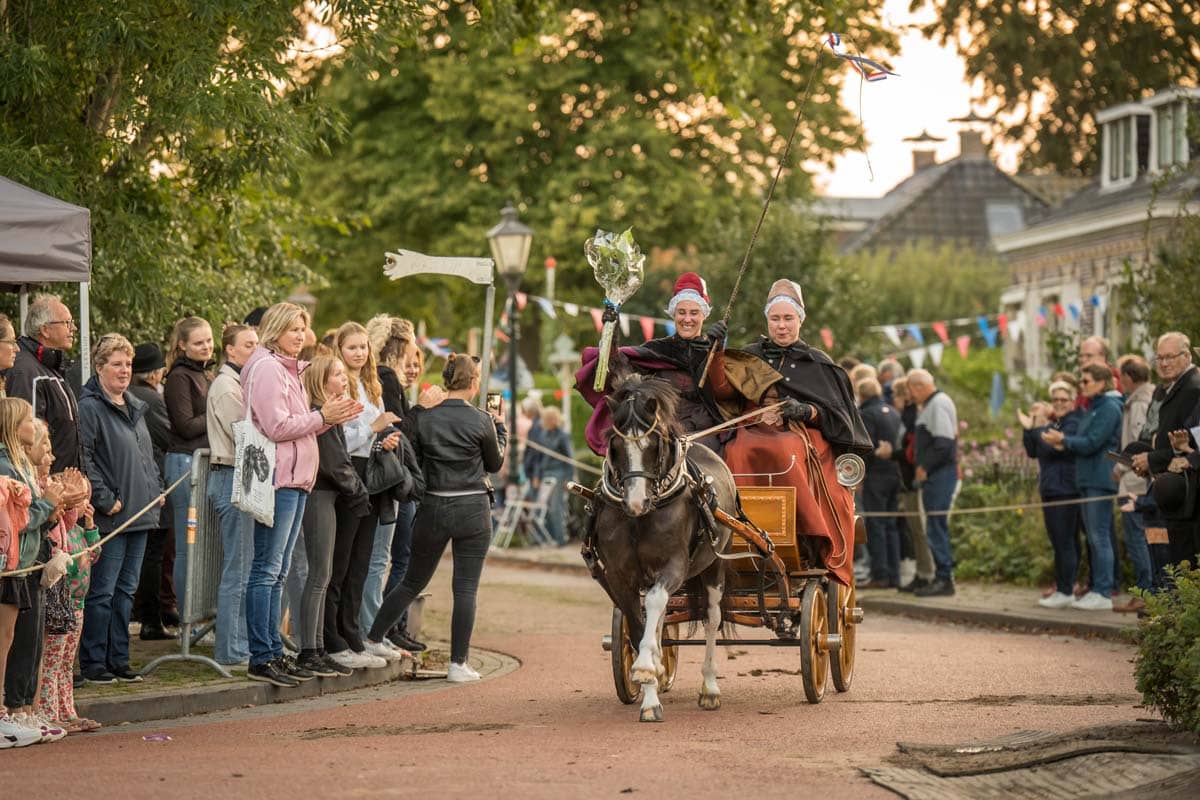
(936, 451)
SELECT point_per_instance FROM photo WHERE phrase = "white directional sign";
(408, 262)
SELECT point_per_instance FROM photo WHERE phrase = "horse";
(652, 534)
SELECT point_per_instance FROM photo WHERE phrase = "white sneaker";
(380, 650)
(1093, 602)
(372, 662)
(1056, 600)
(13, 734)
(461, 673)
(45, 730)
(346, 658)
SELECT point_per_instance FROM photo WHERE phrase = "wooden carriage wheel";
(623, 656)
(670, 659)
(814, 626)
(841, 666)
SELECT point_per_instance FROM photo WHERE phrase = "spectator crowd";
(365, 488)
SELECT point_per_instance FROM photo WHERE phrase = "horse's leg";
(710, 695)
(648, 664)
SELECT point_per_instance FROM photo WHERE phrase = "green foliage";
(1164, 293)
(1167, 667)
(1005, 546)
(1052, 65)
(612, 115)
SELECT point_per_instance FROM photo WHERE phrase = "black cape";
(811, 376)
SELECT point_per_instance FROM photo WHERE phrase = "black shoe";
(314, 665)
(103, 676)
(288, 665)
(78, 681)
(939, 588)
(268, 673)
(126, 675)
(154, 634)
(340, 669)
(170, 619)
(406, 642)
(916, 583)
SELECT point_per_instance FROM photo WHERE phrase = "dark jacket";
(697, 409)
(559, 441)
(118, 458)
(157, 420)
(1174, 412)
(457, 445)
(531, 459)
(186, 394)
(38, 375)
(394, 398)
(906, 457)
(1099, 432)
(1056, 468)
(811, 376)
(336, 473)
(883, 425)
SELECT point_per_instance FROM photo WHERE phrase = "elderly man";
(888, 371)
(1172, 409)
(39, 376)
(936, 452)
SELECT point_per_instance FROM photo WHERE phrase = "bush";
(1003, 546)
(1167, 666)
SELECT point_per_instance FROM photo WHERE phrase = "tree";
(1052, 65)
(612, 115)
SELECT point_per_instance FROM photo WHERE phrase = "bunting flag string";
(827, 338)
(935, 353)
(964, 345)
(597, 318)
(917, 357)
(647, 328)
(940, 329)
(892, 334)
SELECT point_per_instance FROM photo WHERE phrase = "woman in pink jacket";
(277, 404)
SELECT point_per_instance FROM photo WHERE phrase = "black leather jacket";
(457, 446)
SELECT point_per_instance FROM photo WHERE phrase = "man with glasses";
(39, 376)
(1176, 400)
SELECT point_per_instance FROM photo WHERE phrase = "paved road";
(553, 728)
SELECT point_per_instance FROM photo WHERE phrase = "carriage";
(773, 581)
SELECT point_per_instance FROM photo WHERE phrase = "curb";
(914, 609)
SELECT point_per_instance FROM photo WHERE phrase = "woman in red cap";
(688, 349)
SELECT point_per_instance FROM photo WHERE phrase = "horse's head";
(639, 449)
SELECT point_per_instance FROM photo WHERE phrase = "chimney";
(971, 146)
(923, 159)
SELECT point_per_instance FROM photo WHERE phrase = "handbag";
(60, 612)
(385, 471)
(253, 469)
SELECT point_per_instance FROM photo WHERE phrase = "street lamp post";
(510, 241)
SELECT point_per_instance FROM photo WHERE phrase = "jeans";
(109, 604)
(320, 529)
(937, 494)
(1136, 549)
(556, 513)
(237, 551)
(1097, 524)
(401, 555)
(1061, 524)
(295, 581)
(378, 570)
(883, 533)
(264, 592)
(175, 466)
(466, 522)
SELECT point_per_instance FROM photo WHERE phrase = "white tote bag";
(253, 469)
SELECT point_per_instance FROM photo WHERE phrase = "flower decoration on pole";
(617, 262)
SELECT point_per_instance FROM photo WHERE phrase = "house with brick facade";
(1068, 264)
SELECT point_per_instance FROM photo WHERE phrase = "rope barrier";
(156, 502)
(555, 454)
(988, 509)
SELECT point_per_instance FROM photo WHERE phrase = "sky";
(930, 90)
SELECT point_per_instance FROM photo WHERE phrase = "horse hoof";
(643, 676)
(710, 702)
(652, 714)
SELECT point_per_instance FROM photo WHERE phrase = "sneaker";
(315, 665)
(1056, 600)
(288, 666)
(937, 588)
(406, 642)
(47, 731)
(103, 676)
(154, 633)
(395, 648)
(13, 734)
(461, 673)
(371, 661)
(1093, 602)
(916, 583)
(381, 650)
(339, 670)
(125, 674)
(269, 673)
(78, 681)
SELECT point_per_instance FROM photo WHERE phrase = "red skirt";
(828, 515)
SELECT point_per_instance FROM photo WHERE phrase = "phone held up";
(494, 403)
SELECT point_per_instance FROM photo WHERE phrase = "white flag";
(571, 309)
(893, 334)
(917, 357)
(1016, 327)
(935, 353)
(624, 324)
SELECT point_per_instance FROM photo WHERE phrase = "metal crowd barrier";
(198, 596)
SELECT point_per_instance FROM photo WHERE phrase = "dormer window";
(1126, 143)
(1120, 149)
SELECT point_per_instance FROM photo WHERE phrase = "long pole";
(485, 357)
(514, 462)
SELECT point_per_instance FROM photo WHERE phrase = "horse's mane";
(634, 393)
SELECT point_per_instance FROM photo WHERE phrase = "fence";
(198, 596)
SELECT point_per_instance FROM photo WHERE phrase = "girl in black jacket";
(456, 446)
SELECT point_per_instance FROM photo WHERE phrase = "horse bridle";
(659, 493)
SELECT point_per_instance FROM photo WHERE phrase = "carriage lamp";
(851, 470)
(510, 241)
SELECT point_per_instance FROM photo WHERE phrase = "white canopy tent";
(46, 240)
